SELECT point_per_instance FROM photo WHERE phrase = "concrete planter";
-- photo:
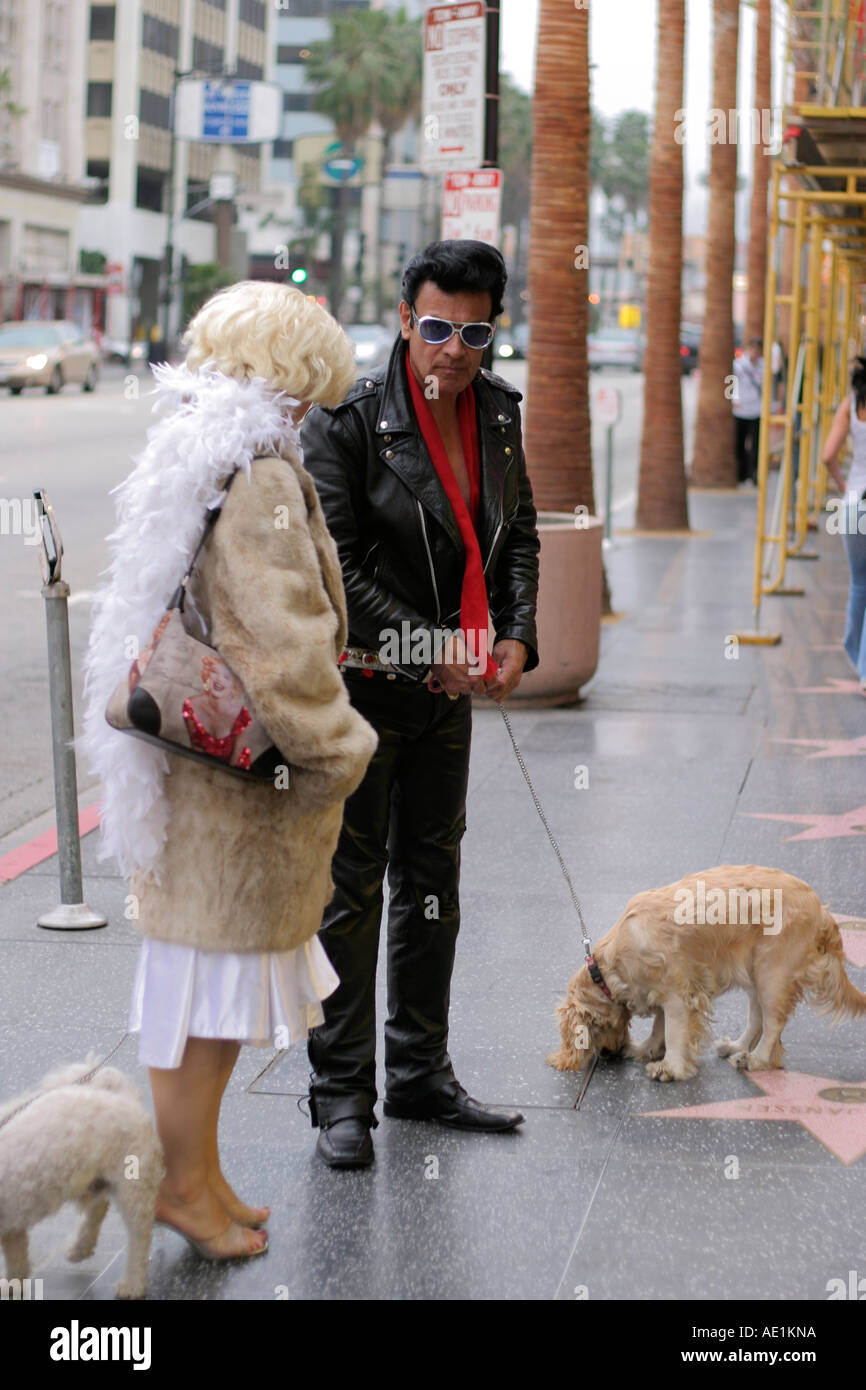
(569, 610)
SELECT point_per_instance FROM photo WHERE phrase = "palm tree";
(368, 70)
(558, 441)
(662, 501)
(760, 178)
(714, 463)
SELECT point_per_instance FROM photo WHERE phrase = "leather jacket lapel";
(402, 448)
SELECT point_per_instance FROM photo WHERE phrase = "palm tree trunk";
(558, 442)
(662, 501)
(760, 178)
(714, 463)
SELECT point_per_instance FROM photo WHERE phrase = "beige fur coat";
(246, 866)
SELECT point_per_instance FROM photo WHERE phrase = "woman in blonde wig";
(229, 876)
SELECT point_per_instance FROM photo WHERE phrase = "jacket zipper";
(430, 560)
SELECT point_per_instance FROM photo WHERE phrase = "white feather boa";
(214, 424)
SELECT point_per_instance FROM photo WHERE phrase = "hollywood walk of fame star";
(821, 827)
(833, 1111)
(831, 747)
(835, 686)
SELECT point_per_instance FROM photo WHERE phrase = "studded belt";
(365, 660)
(361, 658)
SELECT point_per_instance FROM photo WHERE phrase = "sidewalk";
(693, 760)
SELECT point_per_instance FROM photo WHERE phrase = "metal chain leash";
(540, 809)
(79, 1081)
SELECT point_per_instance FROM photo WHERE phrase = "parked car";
(37, 353)
(615, 347)
(372, 344)
(511, 342)
(120, 350)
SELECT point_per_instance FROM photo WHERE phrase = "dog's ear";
(109, 1079)
(576, 1033)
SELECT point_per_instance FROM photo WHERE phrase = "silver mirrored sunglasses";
(439, 331)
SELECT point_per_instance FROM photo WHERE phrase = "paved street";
(77, 447)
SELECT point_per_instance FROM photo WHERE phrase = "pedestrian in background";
(229, 875)
(749, 378)
(850, 419)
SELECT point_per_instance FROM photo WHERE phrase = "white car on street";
(46, 353)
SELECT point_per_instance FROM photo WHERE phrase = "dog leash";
(587, 945)
(79, 1081)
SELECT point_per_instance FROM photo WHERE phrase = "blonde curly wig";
(258, 328)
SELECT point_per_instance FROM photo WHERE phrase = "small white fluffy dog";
(675, 949)
(81, 1143)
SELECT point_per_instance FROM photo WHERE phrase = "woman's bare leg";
(218, 1183)
(183, 1101)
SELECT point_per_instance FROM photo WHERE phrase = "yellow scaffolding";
(818, 197)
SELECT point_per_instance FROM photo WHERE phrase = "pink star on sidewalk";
(835, 686)
(832, 747)
(821, 827)
(833, 1111)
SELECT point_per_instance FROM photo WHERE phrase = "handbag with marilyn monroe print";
(181, 695)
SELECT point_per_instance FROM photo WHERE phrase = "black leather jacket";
(400, 548)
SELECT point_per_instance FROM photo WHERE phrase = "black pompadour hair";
(457, 266)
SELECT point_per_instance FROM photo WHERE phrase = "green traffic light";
(299, 276)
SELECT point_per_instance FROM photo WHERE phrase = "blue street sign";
(226, 112)
(342, 169)
(338, 166)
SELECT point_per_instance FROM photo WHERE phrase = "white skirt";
(266, 999)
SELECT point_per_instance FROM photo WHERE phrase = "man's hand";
(453, 673)
(510, 656)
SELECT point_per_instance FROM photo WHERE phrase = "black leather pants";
(407, 816)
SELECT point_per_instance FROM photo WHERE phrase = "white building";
(135, 49)
(42, 160)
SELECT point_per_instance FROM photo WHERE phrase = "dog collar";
(597, 976)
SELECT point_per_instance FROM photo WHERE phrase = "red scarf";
(473, 597)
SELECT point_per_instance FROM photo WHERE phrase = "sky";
(623, 73)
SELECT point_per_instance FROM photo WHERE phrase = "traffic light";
(299, 275)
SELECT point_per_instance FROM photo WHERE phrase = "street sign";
(606, 405)
(471, 205)
(222, 187)
(228, 112)
(455, 50)
(338, 167)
